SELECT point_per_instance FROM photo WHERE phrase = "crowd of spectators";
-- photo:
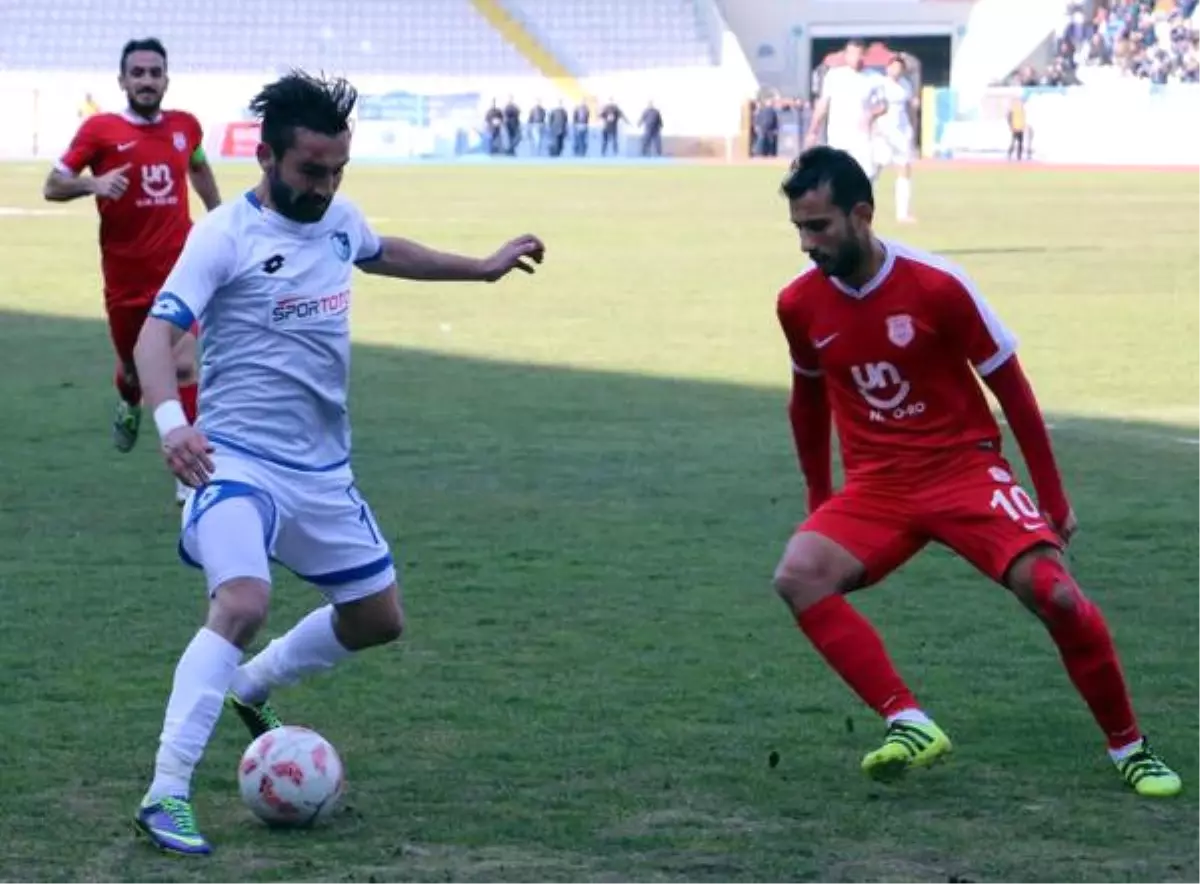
(1154, 40)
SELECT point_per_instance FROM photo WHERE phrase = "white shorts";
(316, 524)
(860, 149)
(894, 149)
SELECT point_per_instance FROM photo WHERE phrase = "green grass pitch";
(588, 477)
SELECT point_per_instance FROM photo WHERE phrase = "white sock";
(309, 646)
(912, 716)
(1120, 754)
(903, 197)
(202, 678)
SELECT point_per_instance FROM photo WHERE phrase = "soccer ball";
(291, 776)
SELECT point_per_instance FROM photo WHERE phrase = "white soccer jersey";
(896, 120)
(852, 94)
(273, 300)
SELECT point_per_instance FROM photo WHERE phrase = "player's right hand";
(514, 255)
(186, 451)
(112, 184)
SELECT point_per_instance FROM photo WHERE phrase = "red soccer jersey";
(142, 233)
(899, 358)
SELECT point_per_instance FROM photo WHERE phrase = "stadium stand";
(428, 69)
(604, 36)
(431, 37)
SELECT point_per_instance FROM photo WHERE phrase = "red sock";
(853, 649)
(128, 390)
(1087, 651)
(187, 398)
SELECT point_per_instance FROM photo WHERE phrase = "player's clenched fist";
(186, 451)
(111, 185)
(1065, 526)
(515, 255)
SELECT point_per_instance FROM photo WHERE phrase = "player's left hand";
(514, 255)
(1067, 527)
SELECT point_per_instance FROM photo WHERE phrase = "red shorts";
(974, 507)
(125, 321)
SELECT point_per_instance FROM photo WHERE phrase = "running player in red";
(141, 160)
(889, 341)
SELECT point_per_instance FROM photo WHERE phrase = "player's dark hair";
(147, 44)
(302, 100)
(818, 166)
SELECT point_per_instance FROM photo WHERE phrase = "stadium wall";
(776, 35)
(1125, 122)
(430, 117)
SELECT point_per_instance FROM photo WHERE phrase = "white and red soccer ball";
(291, 776)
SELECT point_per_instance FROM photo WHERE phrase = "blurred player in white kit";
(851, 101)
(895, 134)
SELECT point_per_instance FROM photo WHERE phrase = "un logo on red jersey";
(900, 330)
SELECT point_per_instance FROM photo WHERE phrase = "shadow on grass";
(595, 668)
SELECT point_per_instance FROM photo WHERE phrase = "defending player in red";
(141, 160)
(888, 341)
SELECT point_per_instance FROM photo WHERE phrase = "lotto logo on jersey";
(297, 308)
(171, 308)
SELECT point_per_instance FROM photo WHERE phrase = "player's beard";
(307, 208)
(144, 104)
(845, 262)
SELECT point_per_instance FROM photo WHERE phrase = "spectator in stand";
(1154, 40)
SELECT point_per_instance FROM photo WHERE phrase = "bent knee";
(795, 574)
(1042, 582)
(375, 620)
(239, 609)
(390, 628)
(813, 568)
(384, 628)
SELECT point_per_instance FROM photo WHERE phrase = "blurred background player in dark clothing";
(651, 123)
(611, 116)
(766, 129)
(580, 118)
(537, 128)
(512, 125)
(493, 123)
(557, 129)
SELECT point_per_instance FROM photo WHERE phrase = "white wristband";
(169, 416)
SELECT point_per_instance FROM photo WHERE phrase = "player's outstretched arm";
(810, 417)
(405, 259)
(203, 181)
(1013, 391)
(61, 187)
